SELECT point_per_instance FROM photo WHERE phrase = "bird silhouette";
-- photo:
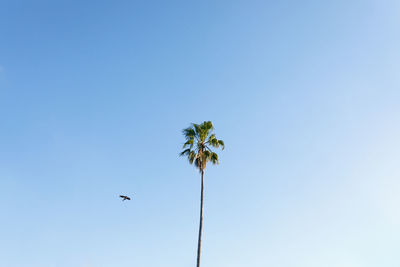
(124, 198)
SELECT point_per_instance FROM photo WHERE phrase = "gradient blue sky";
(93, 97)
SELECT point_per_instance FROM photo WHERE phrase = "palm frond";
(207, 155)
(214, 142)
(189, 133)
(208, 125)
(197, 163)
(196, 128)
(221, 143)
(189, 143)
(214, 158)
(192, 156)
(185, 152)
(211, 138)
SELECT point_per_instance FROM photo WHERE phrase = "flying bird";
(124, 198)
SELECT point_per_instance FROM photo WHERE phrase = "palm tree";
(199, 141)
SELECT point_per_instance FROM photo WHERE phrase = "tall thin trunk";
(201, 219)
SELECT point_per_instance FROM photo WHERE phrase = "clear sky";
(93, 98)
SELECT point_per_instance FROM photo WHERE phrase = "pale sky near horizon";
(93, 98)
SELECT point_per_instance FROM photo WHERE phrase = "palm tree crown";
(199, 141)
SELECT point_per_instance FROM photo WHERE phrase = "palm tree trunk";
(201, 219)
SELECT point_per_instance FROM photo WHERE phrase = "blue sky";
(93, 98)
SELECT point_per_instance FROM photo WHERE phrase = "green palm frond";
(185, 152)
(196, 128)
(211, 137)
(189, 133)
(192, 156)
(197, 164)
(214, 158)
(214, 142)
(189, 143)
(221, 143)
(208, 125)
(207, 154)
